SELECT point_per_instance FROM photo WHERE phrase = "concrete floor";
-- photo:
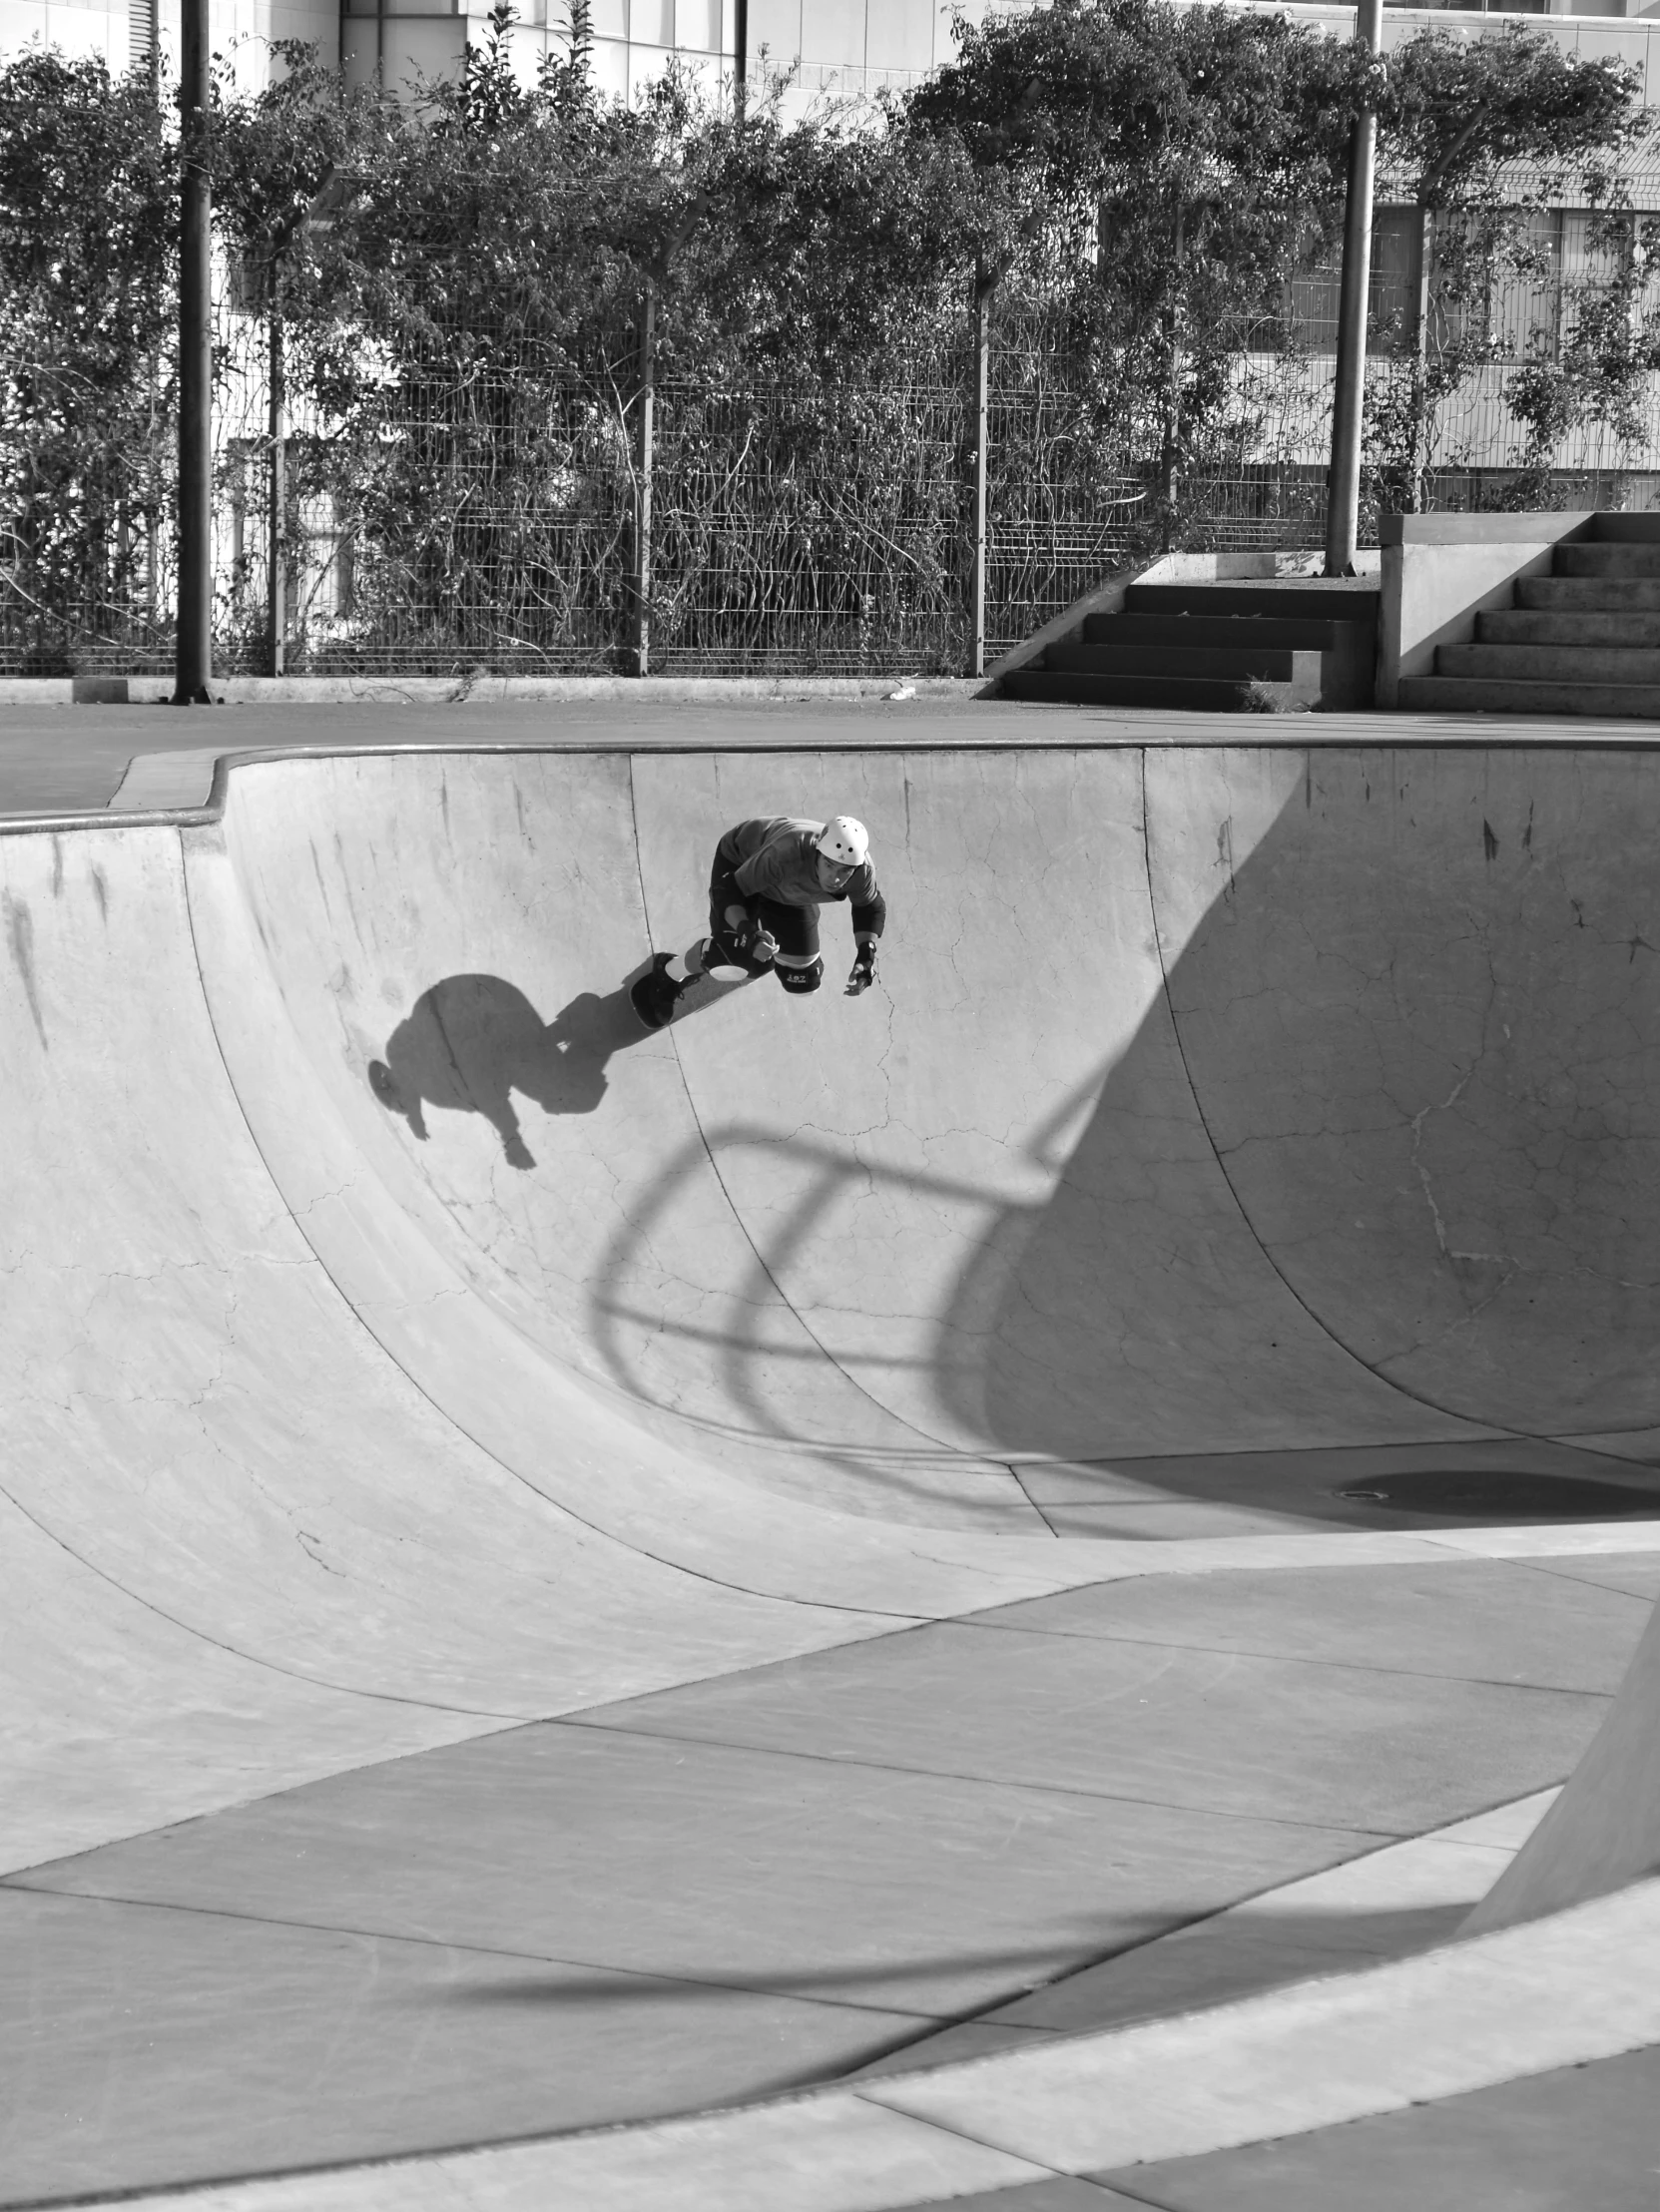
(588, 1576)
(68, 759)
(564, 1924)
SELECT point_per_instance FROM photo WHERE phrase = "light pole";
(983, 288)
(276, 533)
(193, 628)
(1343, 485)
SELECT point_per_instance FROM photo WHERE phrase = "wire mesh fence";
(798, 526)
(475, 502)
(86, 548)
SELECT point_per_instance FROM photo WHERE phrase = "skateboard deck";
(702, 992)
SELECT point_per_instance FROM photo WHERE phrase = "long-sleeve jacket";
(775, 856)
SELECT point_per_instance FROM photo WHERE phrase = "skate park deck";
(601, 1576)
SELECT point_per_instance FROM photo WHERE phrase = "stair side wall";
(1440, 571)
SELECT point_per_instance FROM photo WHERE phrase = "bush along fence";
(486, 508)
(520, 379)
(478, 506)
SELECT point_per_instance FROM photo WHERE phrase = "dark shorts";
(794, 927)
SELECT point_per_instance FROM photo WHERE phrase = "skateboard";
(701, 991)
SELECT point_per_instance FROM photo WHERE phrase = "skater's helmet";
(844, 841)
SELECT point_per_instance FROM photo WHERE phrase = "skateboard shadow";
(472, 1041)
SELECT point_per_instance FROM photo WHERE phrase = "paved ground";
(563, 1923)
(1586, 2135)
(68, 759)
(557, 1576)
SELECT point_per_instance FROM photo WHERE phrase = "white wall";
(241, 29)
(848, 47)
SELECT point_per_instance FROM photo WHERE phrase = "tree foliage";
(1143, 186)
(1484, 138)
(1460, 117)
(86, 312)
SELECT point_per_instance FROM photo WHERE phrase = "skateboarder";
(770, 877)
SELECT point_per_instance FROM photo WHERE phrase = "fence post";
(982, 444)
(336, 192)
(1170, 443)
(639, 610)
(276, 533)
(193, 623)
(1422, 251)
(1343, 484)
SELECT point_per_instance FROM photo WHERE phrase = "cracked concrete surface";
(1193, 1094)
(1439, 1119)
(1224, 1121)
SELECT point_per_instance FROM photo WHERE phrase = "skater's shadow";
(472, 1041)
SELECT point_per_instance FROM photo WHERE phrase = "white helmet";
(846, 841)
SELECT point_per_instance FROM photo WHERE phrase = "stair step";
(1184, 632)
(1551, 664)
(1583, 593)
(1606, 560)
(1233, 662)
(1465, 694)
(1297, 599)
(1062, 686)
(1600, 626)
(1627, 529)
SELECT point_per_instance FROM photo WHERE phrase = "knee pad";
(802, 978)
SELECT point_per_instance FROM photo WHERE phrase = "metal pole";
(1343, 485)
(982, 468)
(193, 645)
(1417, 457)
(640, 643)
(277, 535)
(1170, 459)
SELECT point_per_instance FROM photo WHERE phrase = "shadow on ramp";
(472, 1041)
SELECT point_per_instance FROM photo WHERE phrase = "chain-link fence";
(475, 504)
(87, 541)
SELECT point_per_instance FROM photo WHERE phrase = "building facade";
(849, 46)
(839, 46)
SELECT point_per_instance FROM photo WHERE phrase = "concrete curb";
(1580, 1987)
(478, 690)
(179, 783)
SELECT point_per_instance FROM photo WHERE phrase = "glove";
(752, 941)
(862, 973)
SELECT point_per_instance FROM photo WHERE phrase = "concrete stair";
(1221, 648)
(1584, 640)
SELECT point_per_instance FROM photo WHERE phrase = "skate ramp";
(1224, 1115)
(1213, 1102)
(1227, 1121)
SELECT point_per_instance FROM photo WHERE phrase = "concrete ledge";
(36, 691)
(1557, 1992)
(1360, 1913)
(480, 690)
(1564, 1991)
(187, 783)
(1500, 529)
